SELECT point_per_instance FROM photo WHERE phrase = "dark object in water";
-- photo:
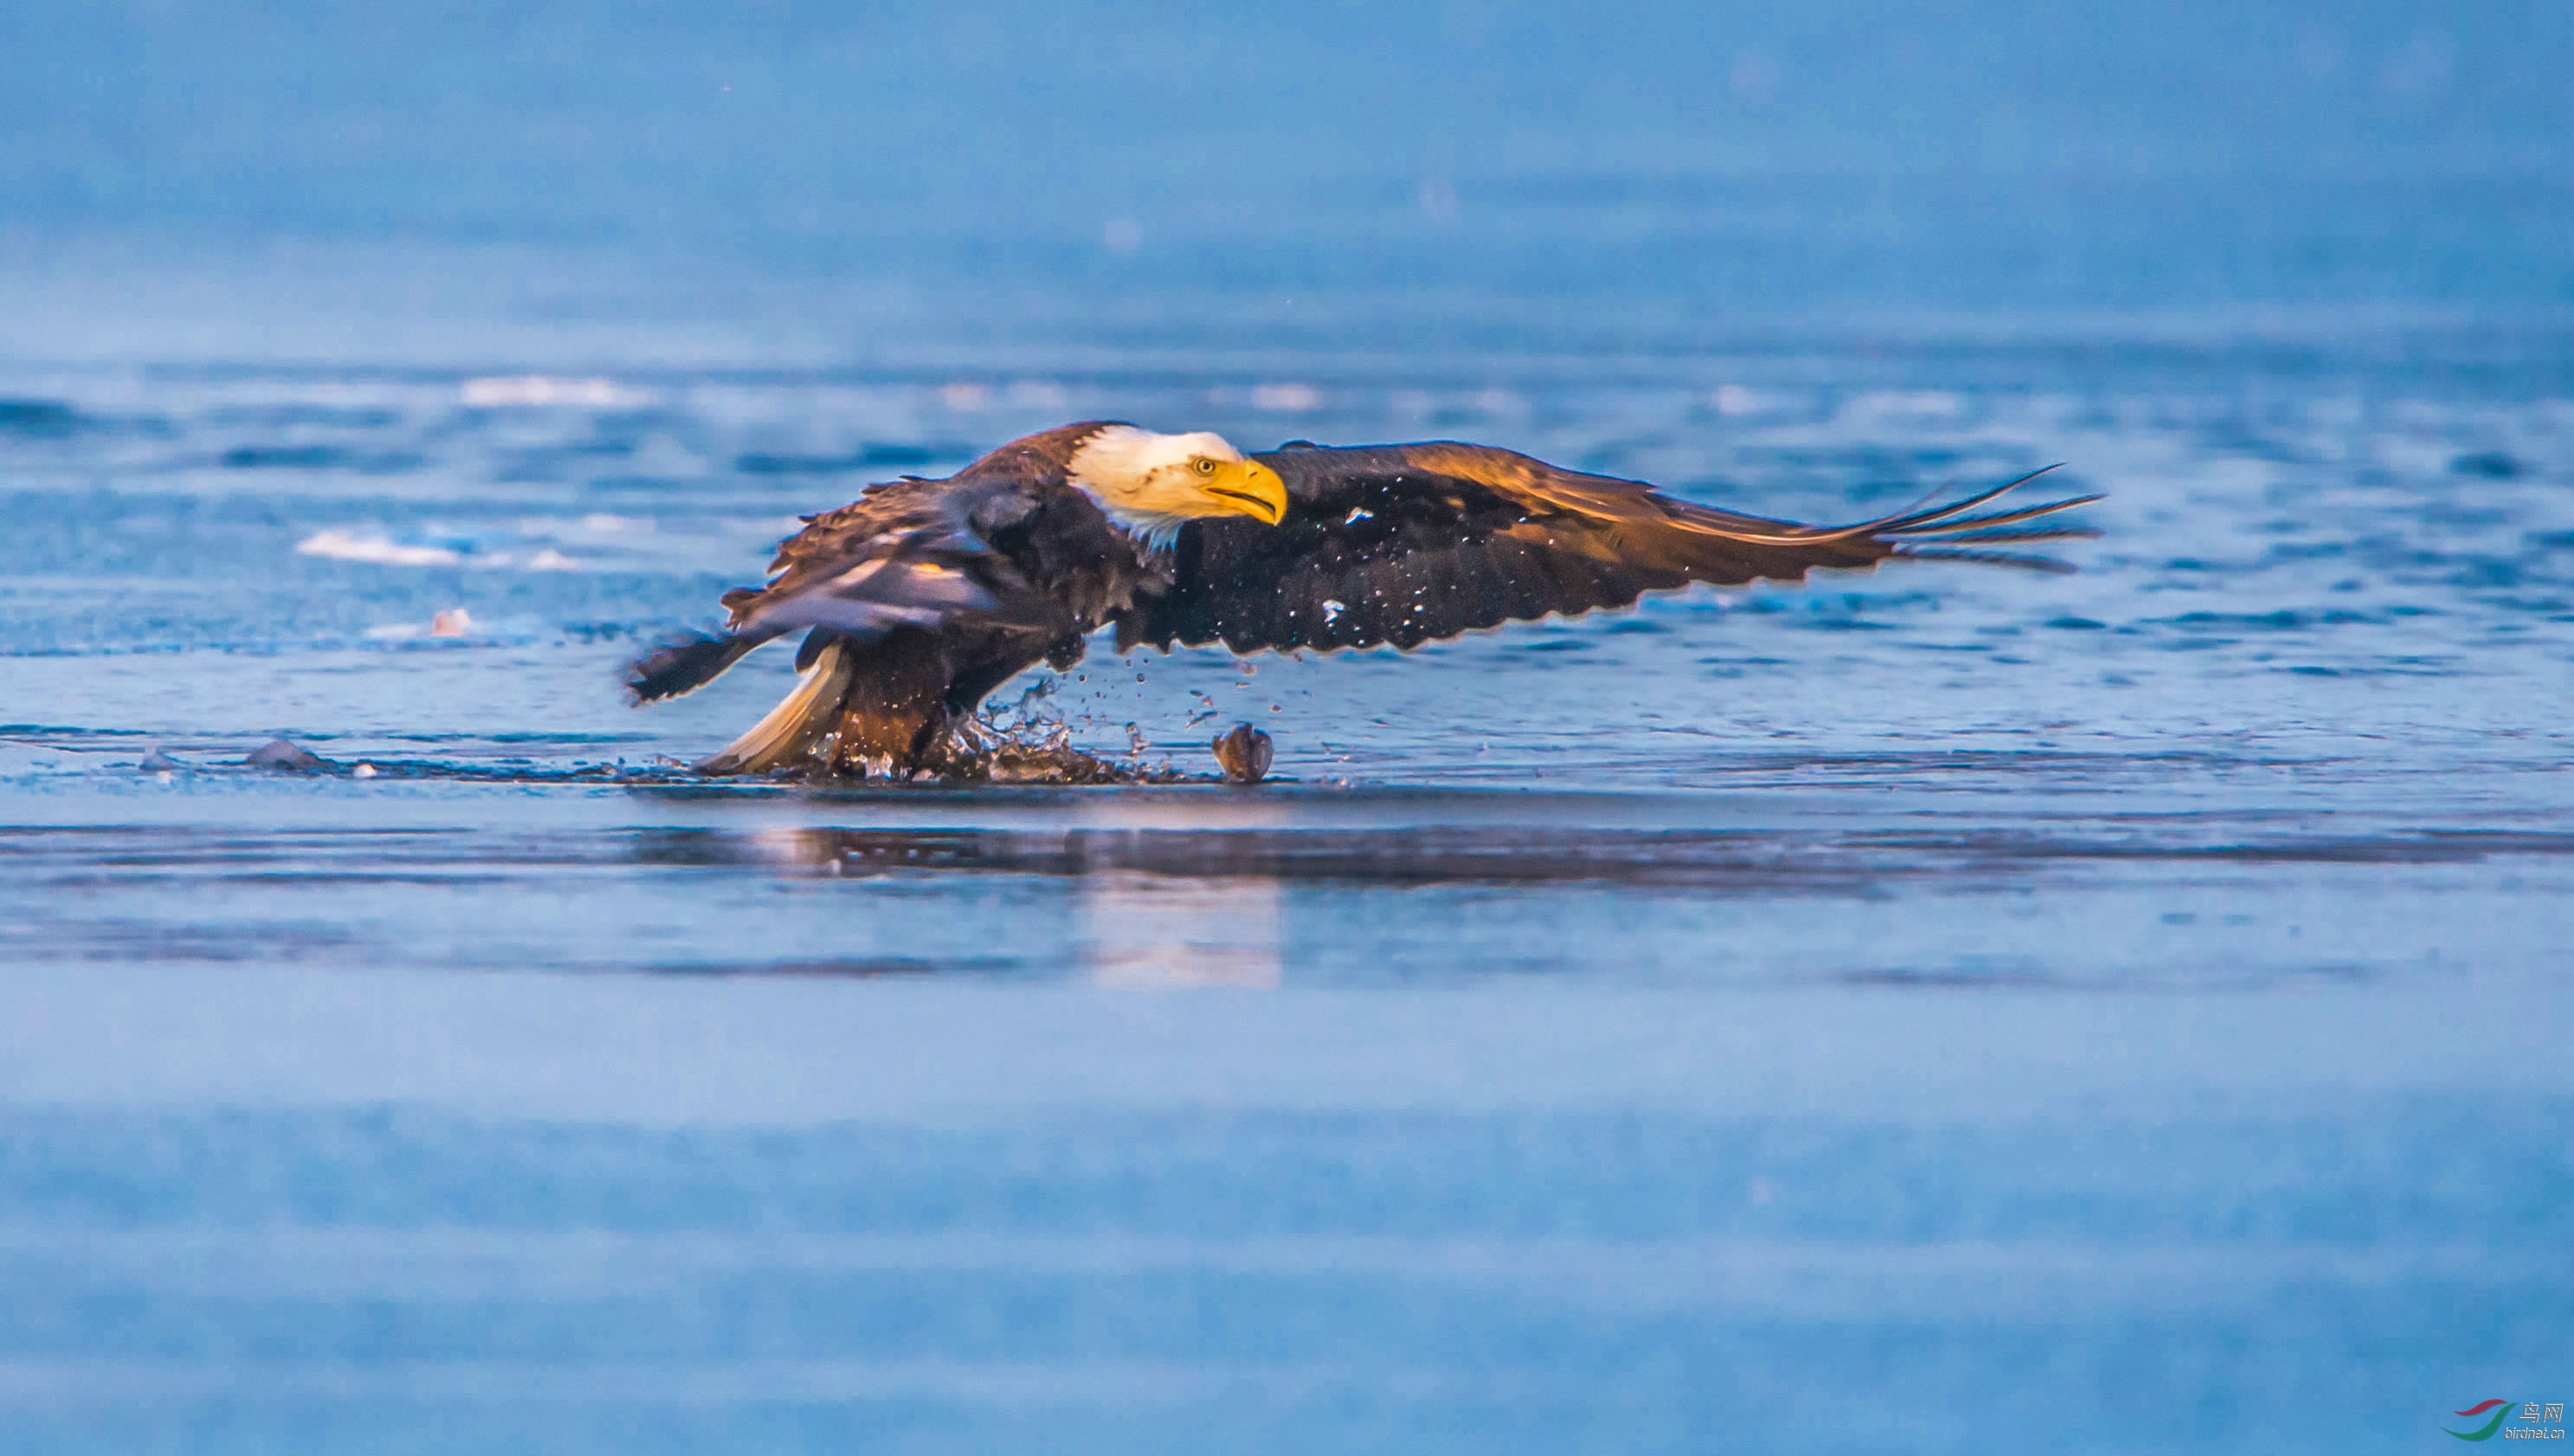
(157, 762)
(286, 754)
(1245, 754)
(2490, 464)
(38, 419)
(864, 458)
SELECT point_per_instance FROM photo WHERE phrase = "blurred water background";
(2113, 1013)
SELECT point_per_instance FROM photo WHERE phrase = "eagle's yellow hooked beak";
(1247, 488)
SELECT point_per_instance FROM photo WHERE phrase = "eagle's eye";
(1202, 465)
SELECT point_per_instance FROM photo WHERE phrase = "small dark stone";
(157, 762)
(291, 756)
(1245, 754)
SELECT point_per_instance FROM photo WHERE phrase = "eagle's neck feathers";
(1151, 533)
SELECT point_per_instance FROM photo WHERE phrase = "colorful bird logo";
(2500, 1409)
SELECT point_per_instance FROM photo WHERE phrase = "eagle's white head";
(1152, 485)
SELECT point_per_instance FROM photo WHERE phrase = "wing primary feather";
(685, 664)
(2017, 533)
(1916, 521)
(1913, 518)
(2044, 563)
(1993, 517)
(1925, 498)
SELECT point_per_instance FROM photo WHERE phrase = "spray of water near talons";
(1028, 741)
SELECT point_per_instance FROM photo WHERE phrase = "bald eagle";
(923, 596)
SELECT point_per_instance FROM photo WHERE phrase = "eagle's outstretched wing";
(1406, 544)
(908, 553)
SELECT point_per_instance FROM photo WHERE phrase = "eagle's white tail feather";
(797, 726)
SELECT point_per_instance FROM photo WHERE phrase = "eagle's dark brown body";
(960, 584)
(923, 596)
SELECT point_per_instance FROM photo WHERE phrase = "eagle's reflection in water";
(1212, 919)
(1141, 929)
(1138, 908)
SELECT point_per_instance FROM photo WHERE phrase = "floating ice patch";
(500, 392)
(1735, 400)
(1287, 399)
(1906, 404)
(347, 546)
(457, 626)
(341, 545)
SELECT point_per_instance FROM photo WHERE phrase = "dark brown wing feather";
(1407, 543)
(907, 553)
(940, 525)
